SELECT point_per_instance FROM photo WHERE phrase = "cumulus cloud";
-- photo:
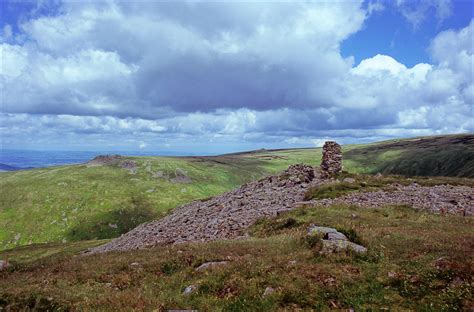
(263, 72)
(94, 58)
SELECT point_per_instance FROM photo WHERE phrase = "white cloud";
(320, 142)
(264, 72)
(379, 65)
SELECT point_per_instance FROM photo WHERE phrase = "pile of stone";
(334, 241)
(222, 217)
(437, 199)
(104, 160)
(332, 158)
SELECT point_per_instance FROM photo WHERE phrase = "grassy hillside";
(415, 261)
(72, 203)
(427, 156)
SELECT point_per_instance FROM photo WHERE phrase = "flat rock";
(189, 290)
(268, 291)
(336, 236)
(334, 246)
(210, 265)
(349, 180)
(314, 229)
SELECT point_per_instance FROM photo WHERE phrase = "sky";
(216, 77)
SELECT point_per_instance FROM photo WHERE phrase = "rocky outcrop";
(222, 217)
(129, 165)
(332, 158)
(180, 176)
(334, 241)
(105, 160)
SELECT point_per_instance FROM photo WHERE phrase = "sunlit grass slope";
(72, 203)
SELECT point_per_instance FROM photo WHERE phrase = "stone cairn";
(332, 158)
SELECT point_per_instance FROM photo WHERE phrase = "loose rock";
(336, 236)
(334, 246)
(268, 291)
(438, 199)
(222, 217)
(210, 265)
(180, 177)
(313, 229)
(189, 290)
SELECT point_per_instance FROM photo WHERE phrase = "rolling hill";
(82, 202)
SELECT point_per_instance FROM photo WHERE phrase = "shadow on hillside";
(451, 156)
(113, 223)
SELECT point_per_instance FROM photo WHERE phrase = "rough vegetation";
(415, 261)
(96, 200)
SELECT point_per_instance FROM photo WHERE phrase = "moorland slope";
(104, 200)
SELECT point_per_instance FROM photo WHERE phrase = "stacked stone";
(332, 158)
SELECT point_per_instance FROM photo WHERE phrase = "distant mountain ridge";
(5, 167)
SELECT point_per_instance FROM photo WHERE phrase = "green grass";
(451, 155)
(72, 203)
(80, 202)
(415, 261)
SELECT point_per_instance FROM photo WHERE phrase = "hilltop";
(103, 200)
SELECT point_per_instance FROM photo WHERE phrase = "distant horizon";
(168, 152)
(25, 158)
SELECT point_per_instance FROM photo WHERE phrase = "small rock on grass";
(210, 265)
(268, 291)
(189, 290)
(3, 265)
(349, 180)
(332, 246)
(313, 229)
(336, 236)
